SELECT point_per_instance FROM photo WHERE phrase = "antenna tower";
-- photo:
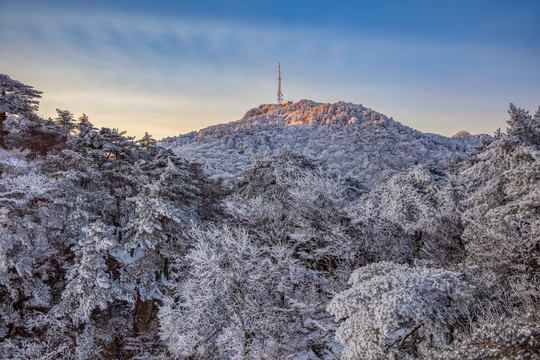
(279, 93)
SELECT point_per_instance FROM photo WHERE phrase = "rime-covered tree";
(65, 119)
(25, 250)
(164, 209)
(502, 230)
(397, 311)
(116, 143)
(147, 142)
(515, 336)
(288, 211)
(524, 126)
(228, 307)
(16, 98)
(412, 215)
(89, 284)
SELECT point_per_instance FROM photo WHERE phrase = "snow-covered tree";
(523, 126)
(242, 300)
(228, 308)
(394, 310)
(164, 209)
(89, 283)
(23, 242)
(117, 143)
(147, 141)
(502, 230)
(15, 98)
(65, 119)
(411, 215)
(515, 336)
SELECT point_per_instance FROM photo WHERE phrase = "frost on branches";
(502, 221)
(230, 308)
(394, 310)
(116, 248)
(352, 139)
(15, 98)
(414, 214)
(503, 337)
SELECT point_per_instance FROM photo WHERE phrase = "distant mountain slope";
(466, 134)
(351, 139)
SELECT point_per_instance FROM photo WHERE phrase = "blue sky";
(170, 67)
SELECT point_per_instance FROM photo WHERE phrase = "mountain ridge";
(352, 139)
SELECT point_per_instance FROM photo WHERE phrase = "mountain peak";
(313, 113)
(303, 112)
(461, 134)
(351, 139)
(465, 135)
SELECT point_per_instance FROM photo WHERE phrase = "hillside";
(353, 140)
(116, 248)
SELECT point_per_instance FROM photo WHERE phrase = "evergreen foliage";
(353, 140)
(117, 248)
(16, 98)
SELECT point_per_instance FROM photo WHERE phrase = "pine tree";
(523, 126)
(502, 222)
(147, 142)
(84, 125)
(65, 120)
(89, 283)
(15, 98)
(117, 144)
(397, 311)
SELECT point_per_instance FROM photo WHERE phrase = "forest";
(113, 247)
(352, 141)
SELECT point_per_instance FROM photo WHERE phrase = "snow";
(327, 240)
(125, 256)
(351, 139)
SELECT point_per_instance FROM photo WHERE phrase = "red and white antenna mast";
(279, 93)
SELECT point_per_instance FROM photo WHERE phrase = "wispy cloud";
(193, 72)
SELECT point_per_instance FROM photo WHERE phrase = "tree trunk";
(166, 268)
(417, 244)
(145, 316)
(3, 116)
(462, 250)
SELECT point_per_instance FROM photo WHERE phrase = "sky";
(171, 67)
